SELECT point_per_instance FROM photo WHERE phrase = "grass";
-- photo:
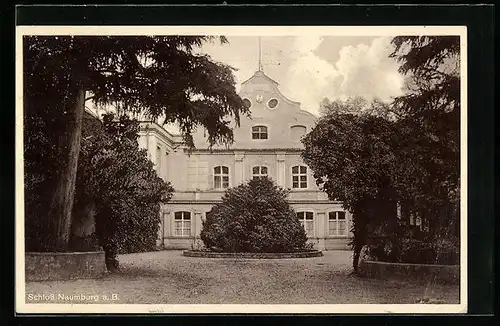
(167, 277)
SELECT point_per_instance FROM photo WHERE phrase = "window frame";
(221, 175)
(260, 133)
(259, 175)
(304, 220)
(182, 221)
(277, 103)
(299, 175)
(336, 221)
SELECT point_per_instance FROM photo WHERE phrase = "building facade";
(266, 144)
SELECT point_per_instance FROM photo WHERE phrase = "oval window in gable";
(272, 103)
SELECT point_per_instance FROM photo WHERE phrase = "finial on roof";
(260, 55)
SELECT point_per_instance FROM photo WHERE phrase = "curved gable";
(270, 110)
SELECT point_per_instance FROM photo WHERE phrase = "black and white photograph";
(283, 169)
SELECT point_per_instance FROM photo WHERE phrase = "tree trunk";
(62, 199)
(355, 260)
(360, 235)
(83, 226)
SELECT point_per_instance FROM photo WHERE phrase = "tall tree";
(429, 126)
(351, 156)
(157, 75)
(116, 178)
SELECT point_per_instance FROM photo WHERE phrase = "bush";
(254, 217)
(441, 251)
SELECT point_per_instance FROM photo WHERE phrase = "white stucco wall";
(191, 173)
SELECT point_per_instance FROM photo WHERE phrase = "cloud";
(360, 70)
(368, 71)
(310, 68)
(309, 77)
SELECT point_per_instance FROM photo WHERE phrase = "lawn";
(167, 277)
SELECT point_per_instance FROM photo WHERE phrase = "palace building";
(266, 144)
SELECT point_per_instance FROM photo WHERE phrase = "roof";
(260, 73)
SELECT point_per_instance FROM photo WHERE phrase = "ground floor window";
(182, 224)
(337, 223)
(307, 221)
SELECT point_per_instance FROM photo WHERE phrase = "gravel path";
(167, 277)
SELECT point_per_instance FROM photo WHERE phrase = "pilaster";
(280, 169)
(239, 169)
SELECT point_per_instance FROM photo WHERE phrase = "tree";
(118, 180)
(352, 159)
(161, 76)
(254, 217)
(429, 126)
(358, 106)
(406, 152)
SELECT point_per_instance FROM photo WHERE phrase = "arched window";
(307, 221)
(298, 131)
(182, 224)
(299, 177)
(221, 177)
(259, 172)
(259, 132)
(337, 223)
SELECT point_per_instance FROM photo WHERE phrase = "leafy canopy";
(159, 76)
(351, 156)
(429, 146)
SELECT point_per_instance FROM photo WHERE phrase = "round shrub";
(254, 217)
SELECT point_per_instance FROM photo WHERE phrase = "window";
(337, 223)
(298, 132)
(259, 132)
(221, 177)
(272, 103)
(299, 177)
(182, 224)
(259, 172)
(247, 103)
(307, 221)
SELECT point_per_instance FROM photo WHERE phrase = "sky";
(311, 68)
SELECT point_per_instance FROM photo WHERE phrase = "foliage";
(40, 166)
(118, 178)
(161, 76)
(429, 128)
(352, 157)
(428, 249)
(254, 217)
(357, 106)
(406, 152)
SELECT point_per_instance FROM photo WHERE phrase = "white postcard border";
(391, 31)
